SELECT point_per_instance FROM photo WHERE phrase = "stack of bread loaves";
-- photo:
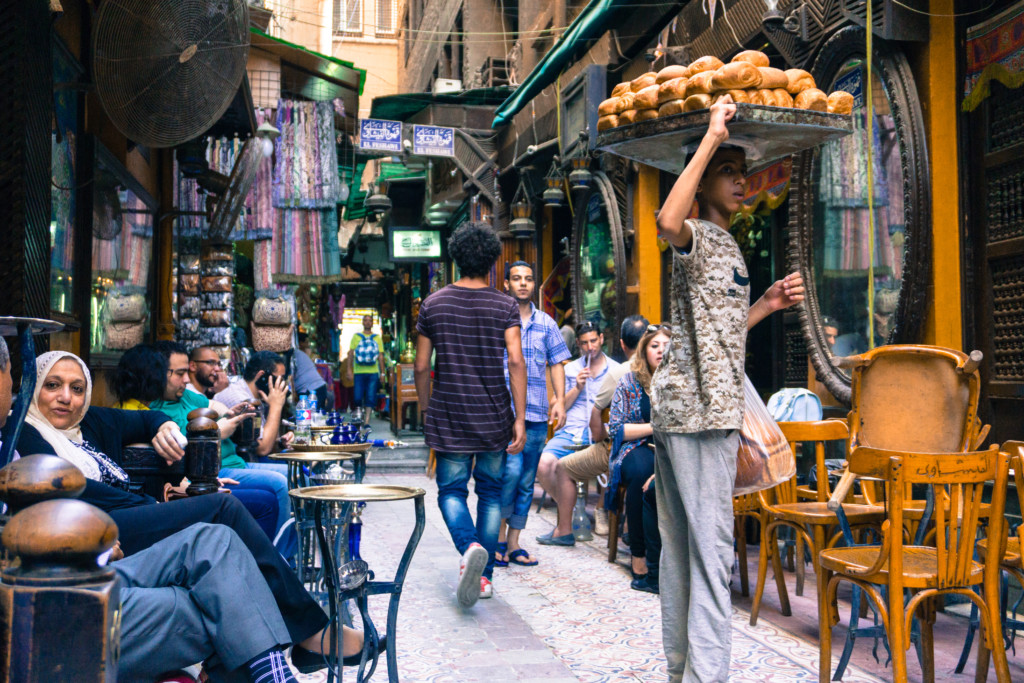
(747, 79)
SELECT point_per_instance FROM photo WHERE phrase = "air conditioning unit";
(444, 85)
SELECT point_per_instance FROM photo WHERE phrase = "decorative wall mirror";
(599, 260)
(831, 241)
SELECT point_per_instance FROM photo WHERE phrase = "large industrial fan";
(167, 70)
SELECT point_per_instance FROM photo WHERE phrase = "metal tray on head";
(765, 133)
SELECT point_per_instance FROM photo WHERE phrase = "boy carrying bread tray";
(697, 401)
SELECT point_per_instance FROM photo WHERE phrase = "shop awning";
(404, 106)
(332, 69)
(598, 17)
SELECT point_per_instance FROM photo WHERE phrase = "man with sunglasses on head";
(583, 378)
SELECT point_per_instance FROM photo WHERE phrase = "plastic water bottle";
(580, 520)
(303, 418)
(312, 402)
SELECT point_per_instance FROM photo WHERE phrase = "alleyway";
(574, 618)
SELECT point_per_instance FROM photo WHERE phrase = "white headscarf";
(63, 440)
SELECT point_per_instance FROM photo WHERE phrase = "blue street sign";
(433, 141)
(384, 136)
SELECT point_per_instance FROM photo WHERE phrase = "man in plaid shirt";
(543, 348)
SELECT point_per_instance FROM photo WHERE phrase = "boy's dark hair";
(261, 360)
(632, 331)
(586, 327)
(474, 247)
(168, 348)
(141, 373)
(721, 148)
(517, 264)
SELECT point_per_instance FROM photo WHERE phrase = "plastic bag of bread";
(840, 102)
(606, 122)
(671, 72)
(699, 84)
(738, 96)
(646, 98)
(707, 63)
(608, 107)
(764, 458)
(799, 80)
(670, 108)
(641, 82)
(698, 101)
(674, 89)
(811, 99)
(646, 115)
(627, 117)
(736, 76)
(625, 102)
(772, 78)
(783, 98)
(620, 89)
(755, 57)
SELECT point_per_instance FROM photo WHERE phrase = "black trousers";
(651, 534)
(636, 468)
(142, 526)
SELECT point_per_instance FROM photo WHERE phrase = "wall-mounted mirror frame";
(602, 191)
(892, 68)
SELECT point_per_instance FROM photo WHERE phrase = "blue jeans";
(453, 471)
(365, 388)
(269, 477)
(520, 472)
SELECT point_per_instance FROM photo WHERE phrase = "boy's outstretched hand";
(722, 112)
(786, 292)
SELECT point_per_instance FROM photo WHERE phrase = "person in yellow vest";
(366, 363)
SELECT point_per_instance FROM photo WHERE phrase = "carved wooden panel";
(1008, 319)
(1004, 190)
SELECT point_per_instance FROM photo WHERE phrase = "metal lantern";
(378, 202)
(581, 177)
(522, 226)
(554, 195)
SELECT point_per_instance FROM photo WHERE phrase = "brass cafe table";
(354, 581)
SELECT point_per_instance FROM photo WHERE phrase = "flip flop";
(502, 549)
(514, 556)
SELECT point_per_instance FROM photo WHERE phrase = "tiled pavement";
(572, 618)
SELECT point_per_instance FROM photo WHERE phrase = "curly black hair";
(140, 374)
(474, 247)
(265, 361)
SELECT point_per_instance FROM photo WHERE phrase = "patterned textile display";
(125, 259)
(995, 51)
(768, 186)
(306, 169)
(305, 247)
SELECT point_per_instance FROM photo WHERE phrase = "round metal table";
(355, 582)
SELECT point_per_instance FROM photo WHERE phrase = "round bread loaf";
(606, 122)
(699, 84)
(698, 101)
(641, 82)
(758, 97)
(783, 98)
(674, 89)
(799, 80)
(707, 63)
(736, 76)
(620, 89)
(840, 102)
(646, 115)
(608, 106)
(738, 96)
(646, 98)
(670, 108)
(672, 71)
(627, 117)
(755, 57)
(772, 78)
(625, 102)
(812, 99)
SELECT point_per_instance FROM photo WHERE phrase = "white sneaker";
(471, 569)
(486, 589)
(600, 521)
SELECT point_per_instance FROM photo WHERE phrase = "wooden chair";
(927, 572)
(810, 520)
(748, 506)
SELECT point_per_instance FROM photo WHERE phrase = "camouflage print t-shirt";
(699, 384)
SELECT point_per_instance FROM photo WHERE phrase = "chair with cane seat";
(926, 572)
(810, 520)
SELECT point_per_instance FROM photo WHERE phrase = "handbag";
(125, 307)
(123, 335)
(764, 459)
(267, 311)
(272, 337)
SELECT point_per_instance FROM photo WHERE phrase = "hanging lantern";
(378, 202)
(522, 226)
(554, 195)
(581, 177)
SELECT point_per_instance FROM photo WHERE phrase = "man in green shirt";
(366, 363)
(177, 403)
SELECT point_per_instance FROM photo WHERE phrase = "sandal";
(499, 554)
(515, 555)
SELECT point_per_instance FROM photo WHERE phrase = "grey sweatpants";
(190, 596)
(694, 475)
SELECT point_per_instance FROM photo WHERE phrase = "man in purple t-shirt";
(469, 420)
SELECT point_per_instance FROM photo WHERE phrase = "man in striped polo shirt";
(469, 419)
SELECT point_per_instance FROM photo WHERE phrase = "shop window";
(63, 141)
(387, 14)
(348, 17)
(597, 266)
